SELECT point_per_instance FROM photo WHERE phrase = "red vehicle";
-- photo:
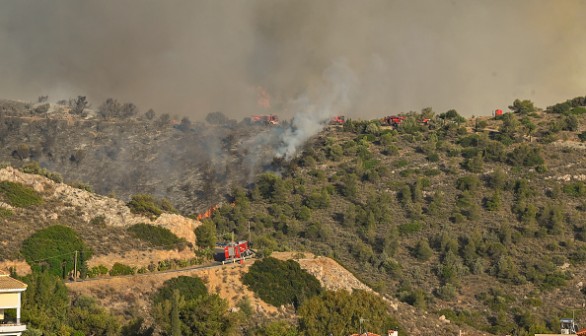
(233, 251)
(424, 121)
(337, 120)
(269, 119)
(393, 120)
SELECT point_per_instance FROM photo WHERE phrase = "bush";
(35, 168)
(409, 228)
(53, 249)
(468, 182)
(522, 106)
(189, 287)
(206, 235)
(446, 292)
(281, 282)
(97, 271)
(144, 204)
(422, 250)
(340, 312)
(121, 269)
(156, 236)
(19, 195)
(576, 189)
(272, 187)
(525, 155)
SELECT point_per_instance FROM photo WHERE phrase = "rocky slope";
(101, 221)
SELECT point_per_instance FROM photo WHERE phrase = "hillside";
(101, 221)
(478, 220)
(119, 152)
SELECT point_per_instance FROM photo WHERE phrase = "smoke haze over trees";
(191, 58)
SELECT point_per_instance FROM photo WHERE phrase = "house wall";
(9, 300)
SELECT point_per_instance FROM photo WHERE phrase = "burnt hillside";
(193, 165)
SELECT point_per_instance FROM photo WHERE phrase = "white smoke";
(313, 110)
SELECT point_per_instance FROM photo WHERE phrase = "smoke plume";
(194, 57)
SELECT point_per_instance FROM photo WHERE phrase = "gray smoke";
(194, 57)
(311, 112)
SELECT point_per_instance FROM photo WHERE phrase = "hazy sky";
(194, 57)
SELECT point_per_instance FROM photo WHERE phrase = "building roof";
(7, 283)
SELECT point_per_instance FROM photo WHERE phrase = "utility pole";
(75, 266)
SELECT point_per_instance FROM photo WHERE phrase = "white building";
(10, 301)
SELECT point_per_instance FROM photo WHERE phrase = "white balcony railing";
(8, 328)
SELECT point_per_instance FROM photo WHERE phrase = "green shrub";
(468, 182)
(272, 187)
(155, 235)
(522, 106)
(422, 250)
(121, 269)
(97, 271)
(400, 163)
(35, 168)
(446, 292)
(144, 204)
(19, 195)
(340, 312)
(576, 189)
(206, 235)
(409, 228)
(525, 155)
(53, 248)
(281, 282)
(189, 287)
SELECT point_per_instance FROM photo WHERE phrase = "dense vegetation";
(479, 220)
(184, 307)
(50, 311)
(281, 282)
(343, 313)
(53, 249)
(422, 212)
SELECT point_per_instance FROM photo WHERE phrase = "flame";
(263, 98)
(210, 211)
